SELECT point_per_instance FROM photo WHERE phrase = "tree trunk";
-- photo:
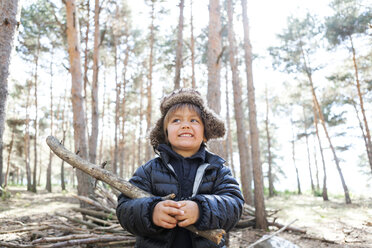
(149, 83)
(103, 118)
(9, 22)
(192, 47)
(308, 151)
(123, 109)
(27, 140)
(346, 190)
(117, 110)
(8, 163)
(36, 123)
(269, 157)
(261, 221)
(86, 62)
(177, 77)
(361, 103)
(299, 192)
(94, 133)
(321, 117)
(85, 182)
(214, 68)
(229, 147)
(245, 170)
(48, 186)
(139, 150)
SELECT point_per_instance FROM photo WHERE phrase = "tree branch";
(118, 183)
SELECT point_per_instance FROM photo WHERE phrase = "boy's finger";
(174, 204)
(174, 211)
(183, 223)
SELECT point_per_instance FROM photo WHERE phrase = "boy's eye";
(194, 120)
(175, 120)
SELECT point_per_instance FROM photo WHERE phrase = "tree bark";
(361, 104)
(269, 157)
(85, 182)
(229, 147)
(118, 183)
(149, 83)
(259, 201)
(214, 68)
(321, 117)
(308, 151)
(8, 163)
(245, 169)
(27, 140)
(299, 192)
(36, 123)
(94, 131)
(177, 77)
(48, 185)
(192, 47)
(9, 22)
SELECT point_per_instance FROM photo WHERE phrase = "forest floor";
(327, 224)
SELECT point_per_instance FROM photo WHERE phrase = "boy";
(207, 196)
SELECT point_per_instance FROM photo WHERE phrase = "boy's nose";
(185, 125)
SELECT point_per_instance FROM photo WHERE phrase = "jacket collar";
(208, 157)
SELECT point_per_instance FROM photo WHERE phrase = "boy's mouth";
(185, 135)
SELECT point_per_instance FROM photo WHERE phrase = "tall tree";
(192, 47)
(347, 22)
(48, 185)
(149, 77)
(259, 201)
(85, 182)
(94, 131)
(293, 141)
(9, 22)
(316, 122)
(245, 169)
(177, 77)
(295, 54)
(305, 122)
(269, 155)
(214, 67)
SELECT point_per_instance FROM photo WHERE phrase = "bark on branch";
(118, 183)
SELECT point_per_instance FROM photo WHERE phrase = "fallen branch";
(27, 229)
(76, 220)
(100, 239)
(94, 213)
(96, 204)
(118, 183)
(63, 238)
(271, 235)
(293, 229)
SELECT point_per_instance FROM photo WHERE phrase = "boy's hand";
(165, 212)
(191, 214)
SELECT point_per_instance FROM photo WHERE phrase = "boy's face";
(185, 131)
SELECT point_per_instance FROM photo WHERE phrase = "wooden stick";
(78, 242)
(118, 183)
(63, 238)
(272, 235)
(77, 220)
(94, 213)
(94, 203)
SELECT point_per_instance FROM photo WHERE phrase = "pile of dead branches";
(95, 225)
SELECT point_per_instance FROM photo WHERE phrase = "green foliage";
(350, 18)
(298, 40)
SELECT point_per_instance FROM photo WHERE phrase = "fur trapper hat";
(214, 127)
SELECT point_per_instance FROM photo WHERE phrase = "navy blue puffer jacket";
(215, 190)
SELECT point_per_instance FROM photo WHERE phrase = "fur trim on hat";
(214, 127)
